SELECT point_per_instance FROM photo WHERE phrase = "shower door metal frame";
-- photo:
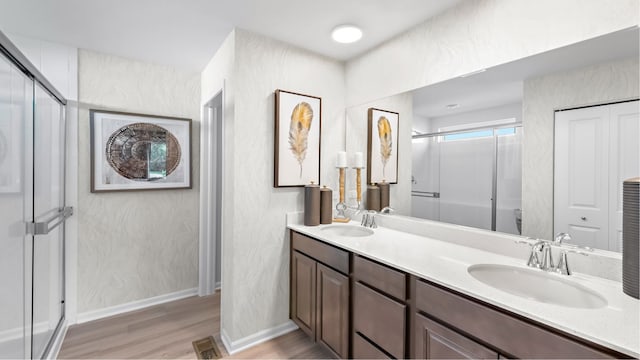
(494, 180)
(18, 59)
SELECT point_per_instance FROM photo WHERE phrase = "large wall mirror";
(533, 147)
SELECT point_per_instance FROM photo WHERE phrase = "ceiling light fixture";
(346, 34)
(452, 106)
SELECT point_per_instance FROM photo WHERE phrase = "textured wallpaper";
(479, 34)
(255, 275)
(139, 244)
(592, 85)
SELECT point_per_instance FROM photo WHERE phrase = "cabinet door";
(434, 341)
(380, 319)
(333, 310)
(303, 293)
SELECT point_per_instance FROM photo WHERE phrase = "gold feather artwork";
(384, 132)
(301, 118)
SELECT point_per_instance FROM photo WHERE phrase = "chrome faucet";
(369, 219)
(541, 257)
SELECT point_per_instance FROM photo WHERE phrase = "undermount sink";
(537, 285)
(347, 230)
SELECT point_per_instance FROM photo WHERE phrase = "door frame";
(211, 194)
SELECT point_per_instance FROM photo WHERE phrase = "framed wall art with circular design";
(139, 152)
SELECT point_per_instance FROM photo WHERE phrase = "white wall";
(255, 283)
(57, 62)
(599, 84)
(479, 34)
(135, 245)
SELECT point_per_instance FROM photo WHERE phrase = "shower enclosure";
(32, 208)
(469, 176)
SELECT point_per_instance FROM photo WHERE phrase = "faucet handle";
(387, 210)
(533, 261)
(547, 258)
(563, 265)
(561, 237)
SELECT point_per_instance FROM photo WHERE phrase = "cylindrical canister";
(631, 237)
(384, 194)
(326, 205)
(312, 205)
(373, 197)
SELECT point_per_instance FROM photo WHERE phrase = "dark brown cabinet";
(434, 341)
(319, 299)
(379, 310)
(303, 294)
(511, 335)
(332, 289)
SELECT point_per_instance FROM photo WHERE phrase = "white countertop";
(616, 326)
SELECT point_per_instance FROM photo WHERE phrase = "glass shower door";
(509, 181)
(48, 243)
(16, 201)
(425, 184)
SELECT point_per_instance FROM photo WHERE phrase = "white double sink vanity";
(415, 288)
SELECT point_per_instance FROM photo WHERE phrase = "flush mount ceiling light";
(346, 34)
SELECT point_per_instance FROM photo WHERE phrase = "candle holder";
(359, 187)
(341, 206)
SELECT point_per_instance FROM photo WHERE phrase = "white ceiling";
(187, 33)
(502, 84)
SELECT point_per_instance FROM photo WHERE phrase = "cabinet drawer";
(434, 341)
(324, 253)
(507, 333)
(380, 319)
(378, 276)
(363, 349)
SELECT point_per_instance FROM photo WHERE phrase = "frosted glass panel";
(509, 177)
(16, 98)
(466, 173)
(425, 178)
(48, 194)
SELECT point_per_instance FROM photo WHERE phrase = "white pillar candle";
(342, 159)
(358, 161)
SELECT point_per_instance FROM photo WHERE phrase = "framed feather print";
(382, 146)
(297, 139)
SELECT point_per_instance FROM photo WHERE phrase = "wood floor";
(166, 331)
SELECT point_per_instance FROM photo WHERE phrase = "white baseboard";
(134, 305)
(257, 338)
(57, 342)
(18, 333)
